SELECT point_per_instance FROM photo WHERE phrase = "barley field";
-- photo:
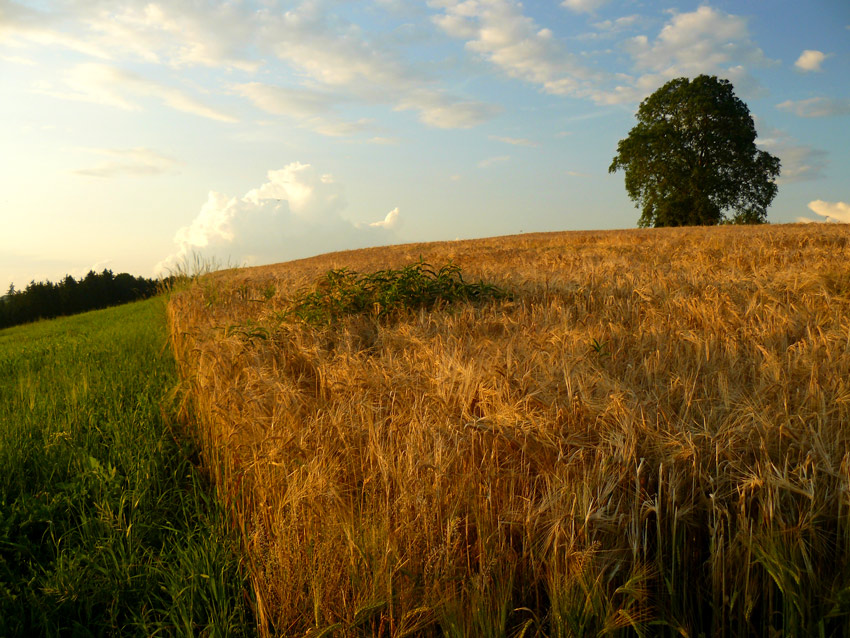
(646, 435)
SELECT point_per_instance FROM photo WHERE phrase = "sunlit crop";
(648, 436)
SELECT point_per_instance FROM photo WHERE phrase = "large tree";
(692, 157)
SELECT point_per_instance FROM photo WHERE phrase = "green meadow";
(107, 524)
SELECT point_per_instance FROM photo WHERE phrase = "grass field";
(106, 526)
(648, 435)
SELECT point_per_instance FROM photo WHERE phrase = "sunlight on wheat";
(651, 429)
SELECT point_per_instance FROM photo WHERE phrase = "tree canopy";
(692, 157)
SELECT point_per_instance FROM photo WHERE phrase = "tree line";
(45, 300)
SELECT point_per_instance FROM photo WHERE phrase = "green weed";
(387, 293)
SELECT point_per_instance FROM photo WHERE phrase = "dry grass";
(651, 437)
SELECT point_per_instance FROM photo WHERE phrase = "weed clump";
(387, 293)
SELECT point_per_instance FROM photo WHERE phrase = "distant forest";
(45, 300)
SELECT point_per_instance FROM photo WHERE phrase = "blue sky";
(138, 133)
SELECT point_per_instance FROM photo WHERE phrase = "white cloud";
(618, 24)
(176, 33)
(831, 211)
(206, 32)
(339, 128)
(499, 159)
(583, 6)
(334, 59)
(308, 194)
(390, 221)
(22, 26)
(437, 110)
(817, 107)
(705, 41)
(111, 86)
(129, 162)
(306, 41)
(499, 32)
(702, 41)
(607, 29)
(296, 213)
(296, 102)
(799, 162)
(320, 45)
(312, 109)
(811, 60)
(514, 141)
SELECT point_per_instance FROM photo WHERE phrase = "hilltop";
(647, 434)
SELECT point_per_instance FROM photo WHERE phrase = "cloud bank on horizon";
(296, 213)
(832, 212)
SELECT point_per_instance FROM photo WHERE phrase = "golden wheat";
(653, 429)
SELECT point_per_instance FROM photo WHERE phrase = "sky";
(137, 135)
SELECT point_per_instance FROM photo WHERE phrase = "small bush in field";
(385, 293)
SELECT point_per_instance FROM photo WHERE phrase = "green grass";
(106, 525)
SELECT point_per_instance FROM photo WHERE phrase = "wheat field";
(648, 436)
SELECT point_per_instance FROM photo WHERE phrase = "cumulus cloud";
(132, 162)
(111, 86)
(701, 41)
(390, 221)
(499, 32)
(831, 211)
(817, 107)
(294, 214)
(696, 40)
(308, 194)
(810, 60)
